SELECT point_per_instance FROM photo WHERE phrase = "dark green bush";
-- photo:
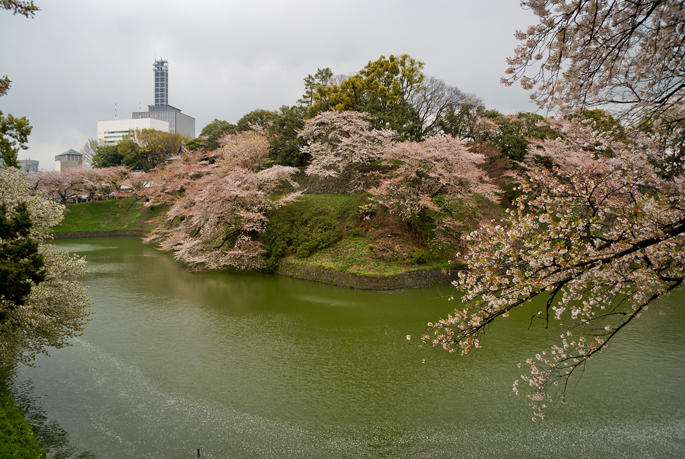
(420, 256)
(309, 225)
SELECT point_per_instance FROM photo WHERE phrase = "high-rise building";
(161, 110)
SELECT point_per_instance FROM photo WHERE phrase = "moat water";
(260, 366)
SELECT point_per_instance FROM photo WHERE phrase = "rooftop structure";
(68, 160)
(161, 69)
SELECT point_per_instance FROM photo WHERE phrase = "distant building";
(111, 132)
(161, 116)
(28, 165)
(178, 122)
(68, 160)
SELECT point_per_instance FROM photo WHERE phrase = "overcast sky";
(76, 59)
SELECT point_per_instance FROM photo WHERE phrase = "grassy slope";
(118, 214)
(326, 231)
(380, 244)
(16, 437)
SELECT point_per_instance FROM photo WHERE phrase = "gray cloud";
(76, 59)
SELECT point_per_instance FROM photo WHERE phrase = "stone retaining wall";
(97, 234)
(344, 183)
(342, 279)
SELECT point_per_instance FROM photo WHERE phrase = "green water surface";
(248, 365)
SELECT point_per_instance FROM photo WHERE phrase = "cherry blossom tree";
(599, 230)
(57, 307)
(77, 182)
(218, 203)
(623, 54)
(440, 165)
(598, 234)
(343, 141)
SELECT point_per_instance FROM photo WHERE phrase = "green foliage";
(281, 129)
(355, 232)
(420, 256)
(259, 117)
(128, 151)
(602, 121)
(21, 266)
(515, 130)
(195, 144)
(425, 223)
(312, 83)
(210, 135)
(461, 120)
(14, 133)
(383, 89)
(148, 148)
(284, 143)
(309, 225)
(17, 440)
(321, 232)
(107, 156)
(511, 193)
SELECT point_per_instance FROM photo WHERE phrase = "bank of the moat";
(320, 238)
(303, 271)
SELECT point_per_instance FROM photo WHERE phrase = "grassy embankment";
(114, 215)
(323, 231)
(330, 232)
(16, 437)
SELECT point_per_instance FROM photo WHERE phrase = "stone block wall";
(97, 234)
(411, 279)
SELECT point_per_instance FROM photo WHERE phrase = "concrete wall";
(97, 234)
(341, 279)
(185, 125)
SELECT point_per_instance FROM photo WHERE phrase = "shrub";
(420, 256)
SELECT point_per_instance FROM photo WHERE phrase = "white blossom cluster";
(440, 165)
(57, 308)
(339, 140)
(599, 237)
(77, 182)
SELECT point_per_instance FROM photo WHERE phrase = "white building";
(111, 132)
(68, 160)
(179, 123)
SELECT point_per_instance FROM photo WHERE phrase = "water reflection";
(50, 436)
